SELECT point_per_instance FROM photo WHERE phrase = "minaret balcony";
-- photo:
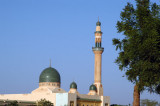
(97, 48)
(99, 32)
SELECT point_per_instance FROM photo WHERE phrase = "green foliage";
(44, 102)
(139, 50)
(118, 105)
(147, 102)
(14, 103)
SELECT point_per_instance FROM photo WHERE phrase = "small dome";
(98, 23)
(49, 75)
(73, 85)
(93, 87)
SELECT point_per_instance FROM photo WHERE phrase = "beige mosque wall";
(29, 97)
(85, 103)
(105, 100)
(89, 97)
(72, 98)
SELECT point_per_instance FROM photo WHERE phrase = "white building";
(50, 86)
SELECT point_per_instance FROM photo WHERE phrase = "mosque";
(50, 86)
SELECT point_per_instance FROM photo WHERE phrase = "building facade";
(50, 86)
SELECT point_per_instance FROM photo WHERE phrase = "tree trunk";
(136, 96)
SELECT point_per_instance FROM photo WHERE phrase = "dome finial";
(98, 18)
(98, 22)
(50, 63)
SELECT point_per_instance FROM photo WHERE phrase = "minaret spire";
(98, 18)
(50, 63)
(98, 50)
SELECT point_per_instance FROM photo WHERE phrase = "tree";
(44, 102)
(14, 103)
(139, 50)
(158, 89)
(147, 102)
(118, 105)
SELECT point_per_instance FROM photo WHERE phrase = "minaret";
(98, 50)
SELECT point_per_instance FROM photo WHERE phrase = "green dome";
(49, 75)
(98, 23)
(93, 87)
(73, 85)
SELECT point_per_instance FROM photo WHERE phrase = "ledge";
(90, 100)
(97, 48)
(98, 32)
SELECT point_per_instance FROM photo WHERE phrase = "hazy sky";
(34, 31)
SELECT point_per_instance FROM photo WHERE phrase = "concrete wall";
(89, 96)
(58, 99)
(61, 99)
(72, 97)
(105, 100)
(29, 97)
